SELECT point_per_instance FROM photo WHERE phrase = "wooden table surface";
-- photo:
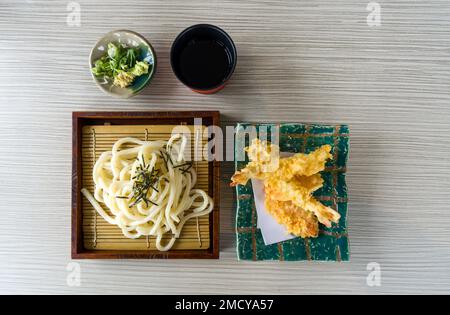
(299, 61)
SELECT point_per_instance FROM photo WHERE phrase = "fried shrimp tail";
(325, 215)
(264, 160)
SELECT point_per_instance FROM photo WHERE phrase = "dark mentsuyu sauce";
(204, 63)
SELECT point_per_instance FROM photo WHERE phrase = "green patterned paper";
(332, 243)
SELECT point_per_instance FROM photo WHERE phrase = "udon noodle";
(148, 188)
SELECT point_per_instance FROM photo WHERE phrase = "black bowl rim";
(190, 28)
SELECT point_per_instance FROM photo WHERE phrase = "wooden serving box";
(94, 238)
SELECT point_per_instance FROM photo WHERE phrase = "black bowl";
(203, 57)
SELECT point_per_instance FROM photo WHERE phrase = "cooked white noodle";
(167, 206)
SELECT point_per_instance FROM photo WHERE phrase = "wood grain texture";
(298, 61)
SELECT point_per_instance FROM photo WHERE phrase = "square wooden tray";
(80, 240)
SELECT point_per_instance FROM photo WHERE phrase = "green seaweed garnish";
(145, 180)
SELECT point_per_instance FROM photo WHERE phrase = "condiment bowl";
(130, 39)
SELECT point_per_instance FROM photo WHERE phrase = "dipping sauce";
(204, 63)
(203, 57)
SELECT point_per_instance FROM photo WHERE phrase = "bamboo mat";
(100, 235)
